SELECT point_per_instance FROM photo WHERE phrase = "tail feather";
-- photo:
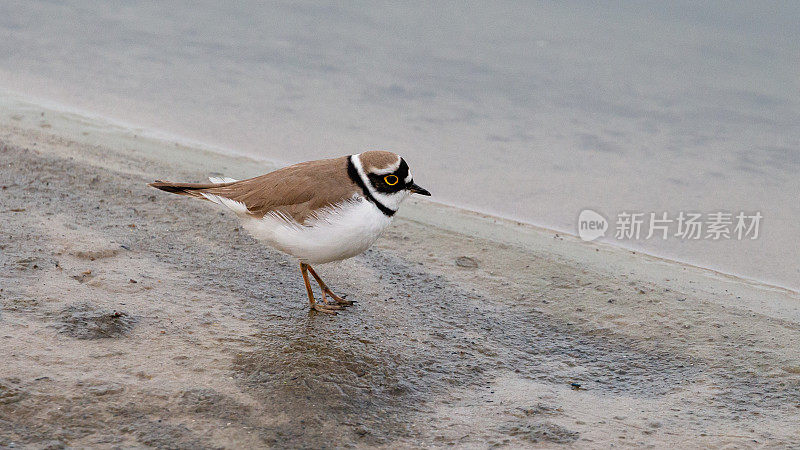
(200, 190)
(190, 189)
(222, 180)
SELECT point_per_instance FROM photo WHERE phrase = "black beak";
(417, 190)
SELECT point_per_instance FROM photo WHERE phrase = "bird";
(316, 211)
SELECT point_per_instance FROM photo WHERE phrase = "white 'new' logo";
(591, 225)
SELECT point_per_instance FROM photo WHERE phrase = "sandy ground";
(131, 317)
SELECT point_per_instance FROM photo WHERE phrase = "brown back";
(296, 190)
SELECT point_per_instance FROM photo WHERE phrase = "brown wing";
(296, 190)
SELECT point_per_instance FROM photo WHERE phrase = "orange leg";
(327, 290)
(330, 309)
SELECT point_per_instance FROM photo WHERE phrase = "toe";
(328, 309)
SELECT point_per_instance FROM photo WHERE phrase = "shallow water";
(531, 113)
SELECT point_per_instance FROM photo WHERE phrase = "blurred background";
(530, 111)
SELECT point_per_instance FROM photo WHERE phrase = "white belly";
(336, 233)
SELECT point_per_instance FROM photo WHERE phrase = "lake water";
(532, 111)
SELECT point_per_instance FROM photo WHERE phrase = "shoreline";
(132, 318)
(115, 130)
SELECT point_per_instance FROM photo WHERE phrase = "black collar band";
(353, 172)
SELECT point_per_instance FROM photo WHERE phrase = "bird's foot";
(339, 300)
(326, 289)
(326, 308)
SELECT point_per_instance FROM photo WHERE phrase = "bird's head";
(386, 176)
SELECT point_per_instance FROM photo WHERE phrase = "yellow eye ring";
(391, 180)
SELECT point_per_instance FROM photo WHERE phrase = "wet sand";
(131, 317)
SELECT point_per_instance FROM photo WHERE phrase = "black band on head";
(402, 171)
(353, 173)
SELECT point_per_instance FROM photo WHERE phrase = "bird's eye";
(391, 180)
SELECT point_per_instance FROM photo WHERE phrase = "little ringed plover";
(317, 211)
